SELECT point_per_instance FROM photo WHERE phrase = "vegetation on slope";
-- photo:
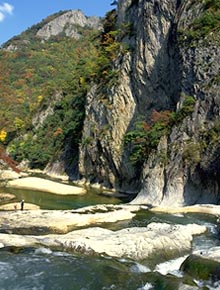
(34, 72)
(207, 23)
(146, 136)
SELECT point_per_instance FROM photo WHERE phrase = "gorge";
(150, 125)
(128, 104)
(172, 68)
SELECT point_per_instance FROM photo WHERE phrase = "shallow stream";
(52, 269)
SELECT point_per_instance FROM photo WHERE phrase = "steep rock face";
(107, 119)
(191, 172)
(67, 24)
(157, 75)
(148, 80)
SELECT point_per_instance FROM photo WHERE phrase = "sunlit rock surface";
(199, 208)
(68, 23)
(6, 196)
(135, 243)
(35, 183)
(9, 174)
(63, 221)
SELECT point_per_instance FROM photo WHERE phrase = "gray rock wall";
(157, 74)
(144, 84)
(107, 120)
(67, 24)
(191, 174)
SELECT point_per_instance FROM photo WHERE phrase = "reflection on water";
(53, 201)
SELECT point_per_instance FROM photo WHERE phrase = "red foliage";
(162, 117)
(8, 160)
(146, 126)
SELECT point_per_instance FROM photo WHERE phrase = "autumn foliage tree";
(7, 160)
(145, 137)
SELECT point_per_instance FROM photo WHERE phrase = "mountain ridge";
(55, 24)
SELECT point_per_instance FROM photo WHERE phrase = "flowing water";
(50, 269)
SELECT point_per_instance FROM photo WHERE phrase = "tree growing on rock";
(8, 161)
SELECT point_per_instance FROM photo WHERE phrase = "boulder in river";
(202, 269)
(212, 253)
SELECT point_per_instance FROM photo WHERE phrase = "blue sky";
(18, 15)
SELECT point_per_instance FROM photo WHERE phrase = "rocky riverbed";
(82, 231)
(62, 221)
(136, 243)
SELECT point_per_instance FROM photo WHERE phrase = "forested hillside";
(43, 88)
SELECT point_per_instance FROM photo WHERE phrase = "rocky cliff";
(135, 104)
(68, 24)
(172, 66)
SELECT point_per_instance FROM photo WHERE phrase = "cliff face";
(164, 65)
(153, 128)
(107, 119)
(148, 80)
(68, 24)
(191, 172)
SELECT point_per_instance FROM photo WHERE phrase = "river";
(53, 269)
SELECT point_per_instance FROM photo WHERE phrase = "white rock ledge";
(198, 208)
(40, 184)
(134, 243)
(60, 221)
